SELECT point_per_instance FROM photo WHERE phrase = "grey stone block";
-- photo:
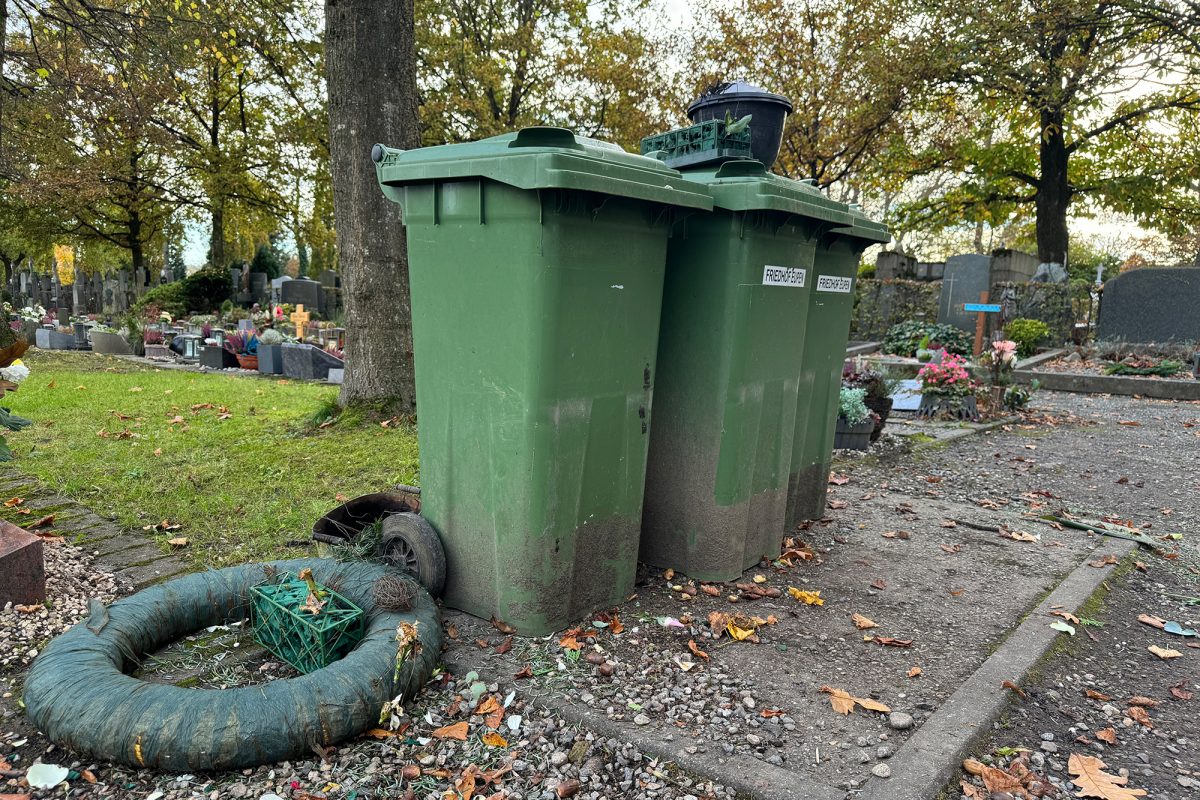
(1151, 305)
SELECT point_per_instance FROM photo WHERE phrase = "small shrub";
(851, 406)
(206, 289)
(271, 336)
(905, 338)
(1027, 333)
(168, 297)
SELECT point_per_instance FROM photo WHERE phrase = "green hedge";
(878, 305)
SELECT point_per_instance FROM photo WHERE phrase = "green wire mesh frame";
(306, 641)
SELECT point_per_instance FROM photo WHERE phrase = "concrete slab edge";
(931, 757)
(1086, 383)
(748, 777)
(1040, 358)
(865, 348)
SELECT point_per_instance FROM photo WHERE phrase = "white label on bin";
(783, 276)
(834, 283)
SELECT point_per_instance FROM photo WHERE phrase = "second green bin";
(835, 271)
(735, 307)
(536, 264)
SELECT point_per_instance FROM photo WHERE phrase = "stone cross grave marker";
(300, 319)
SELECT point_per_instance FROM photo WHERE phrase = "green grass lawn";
(239, 462)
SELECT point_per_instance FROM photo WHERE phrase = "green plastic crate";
(306, 641)
(702, 143)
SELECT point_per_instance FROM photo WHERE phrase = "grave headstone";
(277, 288)
(260, 288)
(1151, 305)
(301, 292)
(964, 278)
(890, 265)
(22, 569)
(1013, 266)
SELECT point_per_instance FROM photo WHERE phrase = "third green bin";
(735, 305)
(536, 263)
(835, 271)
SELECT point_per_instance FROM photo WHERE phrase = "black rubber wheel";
(411, 543)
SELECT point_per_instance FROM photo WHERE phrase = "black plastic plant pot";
(852, 437)
(739, 99)
(348, 520)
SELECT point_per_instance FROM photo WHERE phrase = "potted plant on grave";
(244, 347)
(855, 421)
(947, 387)
(999, 359)
(155, 343)
(862, 374)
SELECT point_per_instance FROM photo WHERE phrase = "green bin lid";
(745, 185)
(541, 158)
(863, 228)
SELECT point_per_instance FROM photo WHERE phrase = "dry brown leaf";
(1129, 422)
(1071, 618)
(1139, 715)
(493, 739)
(1092, 693)
(1144, 702)
(379, 733)
(504, 646)
(1103, 562)
(28, 609)
(1013, 687)
(872, 705)
(862, 623)
(767, 713)
(1180, 693)
(971, 791)
(838, 504)
(456, 731)
(888, 641)
(668, 573)
(1153, 622)
(1141, 567)
(950, 548)
(840, 699)
(526, 672)
(913, 672)
(487, 705)
(997, 780)
(41, 523)
(948, 523)
(696, 651)
(1164, 652)
(879, 583)
(895, 534)
(710, 590)
(1094, 782)
(569, 642)
(838, 480)
(178, 541)
(15, 501)
(1107, 735)
(503, 627)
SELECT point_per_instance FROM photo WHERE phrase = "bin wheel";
(411, 543)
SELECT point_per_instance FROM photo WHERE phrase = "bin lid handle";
(545, 136)
(741, 168)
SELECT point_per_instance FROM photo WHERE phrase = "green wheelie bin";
(735, 308)
(536, 266)
(835, 269)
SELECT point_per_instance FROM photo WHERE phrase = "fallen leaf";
(767, 713)
(913, 672)
(838, 480)
(1094, 782)
(895, 534)
(16, 501)
(1144, 702)
(179, 541)
(950, 548)
(503, 627)
(1139, 715)
(843, 702)
(87, 775)
(379, 733)
(504, 646)
(569, 643)
(1153, 622)
(1129, 422)
(1071, 618)
(1163, 652)
(493, 739)
(862, 623)
(838, 504)
(997, 781)
(1092, 693)
(1140, 566)
(1103, 562)
(410, 772)
(1180, 693)
(888, 641)
(668, 573)
(487, 705)
(948, 523)
(1013, 688)
(456, 731)
(710, 590)
(806, 597)
(1020, 536)
(696, 651)
(739, 634)
(1107, 735)
(41, 523)
(879, 583)
(1064, 627)
(526, 672)
(28, 609)
(158, 451)
(971, 791)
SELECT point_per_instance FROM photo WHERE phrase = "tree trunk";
(371, 74)
(216, 246)
(1054, 192)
